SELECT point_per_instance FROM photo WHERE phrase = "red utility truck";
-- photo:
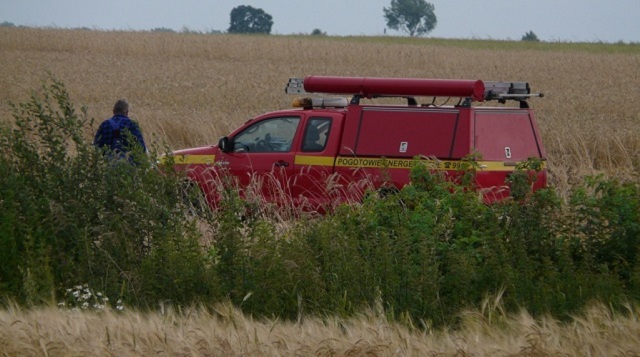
(330, 149)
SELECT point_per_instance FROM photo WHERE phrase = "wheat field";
(190, 89)
(224, 331)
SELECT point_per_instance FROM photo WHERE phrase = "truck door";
(262, 157)
(314, 180)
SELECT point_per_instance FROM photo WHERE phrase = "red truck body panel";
(319, 157)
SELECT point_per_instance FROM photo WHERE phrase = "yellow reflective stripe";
(495, 166)
(380, 162)
(314, 160)
(500, 166)
(194, 159)
(375, 162)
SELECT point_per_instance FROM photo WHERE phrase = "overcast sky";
(550, 20)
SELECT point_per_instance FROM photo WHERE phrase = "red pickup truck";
(330, 149)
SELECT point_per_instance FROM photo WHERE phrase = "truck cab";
(330, 148)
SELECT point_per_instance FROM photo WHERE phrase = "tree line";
(413, 17)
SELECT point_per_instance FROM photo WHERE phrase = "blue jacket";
(106, 136)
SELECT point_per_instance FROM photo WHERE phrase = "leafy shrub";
(435, 248)
(70, 216)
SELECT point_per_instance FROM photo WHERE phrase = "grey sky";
(551, 20)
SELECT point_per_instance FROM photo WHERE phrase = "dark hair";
(121, 107)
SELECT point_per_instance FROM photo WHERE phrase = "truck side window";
(270, 135)
(316, 134)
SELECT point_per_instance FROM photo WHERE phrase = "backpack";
(118, 145)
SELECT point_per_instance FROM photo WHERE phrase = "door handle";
(281, 163)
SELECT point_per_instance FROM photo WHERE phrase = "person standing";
(114, 135)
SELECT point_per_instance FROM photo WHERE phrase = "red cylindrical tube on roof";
(371, 86)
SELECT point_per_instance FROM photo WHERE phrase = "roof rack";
(503, 91)
(372, 87)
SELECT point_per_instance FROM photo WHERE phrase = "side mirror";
(224, 145)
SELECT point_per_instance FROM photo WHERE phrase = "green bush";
(434, 248)
(69, 216)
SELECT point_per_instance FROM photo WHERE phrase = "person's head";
(121, 107)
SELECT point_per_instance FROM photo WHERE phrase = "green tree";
(247, 19)
(530, 36)
(415, 17)
(318, 32)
